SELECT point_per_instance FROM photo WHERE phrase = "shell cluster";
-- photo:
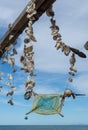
(8, 58)
(61, 45)
(55, 33)
(72, 68)
(27, 59)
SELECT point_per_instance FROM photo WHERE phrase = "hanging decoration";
(8, 58)
(45, 104)
(28, 57)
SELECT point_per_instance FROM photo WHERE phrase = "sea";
(50, 127)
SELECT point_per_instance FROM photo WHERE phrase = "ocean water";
(67, 127)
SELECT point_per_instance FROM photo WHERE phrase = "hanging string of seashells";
(61, 45)
(73, 70)
(27, 59)
(8, 57)
(57, 36)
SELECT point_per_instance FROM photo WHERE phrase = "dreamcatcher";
(43, 103)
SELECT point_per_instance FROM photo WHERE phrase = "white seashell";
(8, 84)
(10, 77)
(13, 88)
(73, 69)
(10, 37)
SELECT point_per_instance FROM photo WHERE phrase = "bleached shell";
(70, 79)
(68, 92)
(14, 70)
(71, 73)
(32, 37)
(58, 45)
(10, 37)
(66, 50)
(13, 88)
(14, 51)
(8, 48)
(22, 59)
(10, 102)
(86, 45)
(11, 61)
(9, 83)
(26, 40)
(10, 77)
(72, 60)
(73, 69)
(29, 48)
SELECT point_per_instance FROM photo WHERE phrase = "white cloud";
(81, 83)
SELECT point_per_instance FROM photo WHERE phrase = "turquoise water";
(43, 127)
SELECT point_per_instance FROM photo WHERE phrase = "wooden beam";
(21, 23)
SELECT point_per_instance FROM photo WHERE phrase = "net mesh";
(47, 104)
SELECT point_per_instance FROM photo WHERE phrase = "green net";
(47, 104)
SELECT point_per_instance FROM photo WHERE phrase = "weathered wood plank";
(21, 23)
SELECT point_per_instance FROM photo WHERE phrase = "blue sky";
(51, 66)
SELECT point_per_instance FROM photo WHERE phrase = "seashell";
(3, 62)
(10, 93)
(10, 26)
(5, 59)
(28, 95)
(29, 49)
(13, 87)
(31, 14)
(73, 69)
(72, 60)
(11, 54)
(58, 45)
(10, 37)
(14, 70)
(14, 51)
(71, 73)
(15, 42)
(49, 13)
(86, 45)
(10, 77)
(32, 73)
(8, 83)
(8, 48)
(26, 40)
(70, 80)
(11, 61)
(66, 50)
(30, 7)
(68, 93)
(10, 102)
(62, 46)
(22, 59)
(55, 37)
(54, 33)
(53, 22)
(25, 69)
